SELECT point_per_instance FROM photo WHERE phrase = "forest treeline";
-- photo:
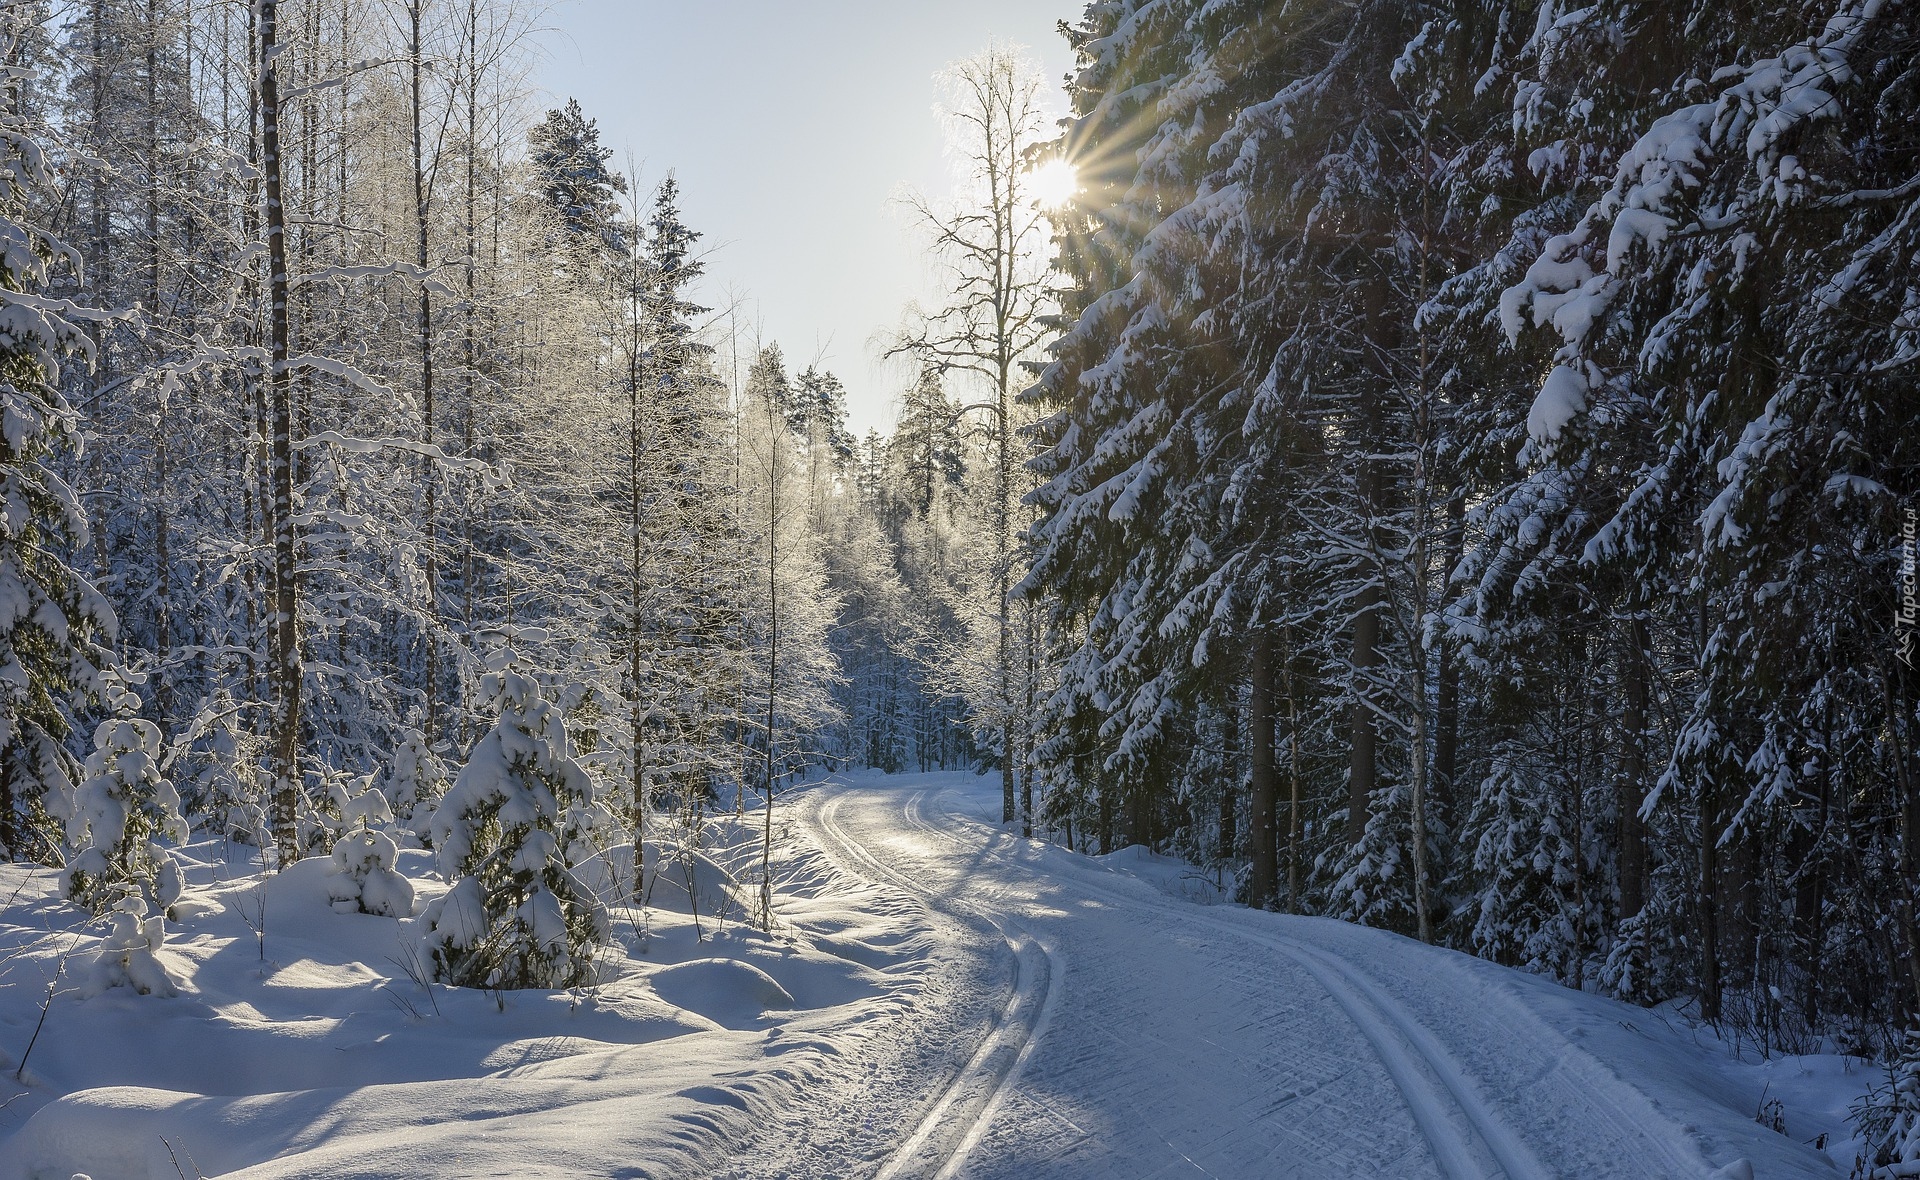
(1478, 481)
(365, 442)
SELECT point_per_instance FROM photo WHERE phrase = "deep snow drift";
(938, 999)
(316, 1050)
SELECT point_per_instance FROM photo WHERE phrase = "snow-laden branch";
(492, 477)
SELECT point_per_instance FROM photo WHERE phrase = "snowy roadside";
(314, 1049)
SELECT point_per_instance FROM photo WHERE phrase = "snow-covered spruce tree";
(569, 167)
(52, 620)
(670, 582)
(1718, 451)
(1553, 661)
(516, 916)
(227, 792)
(1888, 1118)
(362, 878)
(415, 781)
(128, 954)
(119, 813)
(1120, 494)
(1240, 460)
(1533, 907)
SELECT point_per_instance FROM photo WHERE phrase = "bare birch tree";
(992, 241)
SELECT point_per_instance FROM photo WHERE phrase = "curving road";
(1138, 1035)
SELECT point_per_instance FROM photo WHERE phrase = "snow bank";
(303, 1040)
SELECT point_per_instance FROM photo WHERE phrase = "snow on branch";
(492, 477)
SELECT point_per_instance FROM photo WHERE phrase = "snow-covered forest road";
(937, 999)
(1138, 1034)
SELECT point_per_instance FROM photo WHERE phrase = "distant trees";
(396, 377)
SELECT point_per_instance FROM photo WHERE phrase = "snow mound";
(303, 1042)
(110, 1133)
(730, 993)
(684, 882)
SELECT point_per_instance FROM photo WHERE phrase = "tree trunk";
(1362, 756)
(1709, 922)
(1446, 738)
(429, 474)
(1898, 710)
(285, 664)
(471, 350)
(773, 656)
(1003, 562)
(1294, 818)
(162, 555)
(1262, 786)
(1633, 777)
(1229, 801)
(1026, 730)
(1360, 736)
(636, 447)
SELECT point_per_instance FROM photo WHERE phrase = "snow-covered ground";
(939, 999)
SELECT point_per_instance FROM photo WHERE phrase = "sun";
(1053, 184)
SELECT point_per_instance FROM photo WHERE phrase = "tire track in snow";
(953, 1126)
(1468, 1141)
(1446, 1084)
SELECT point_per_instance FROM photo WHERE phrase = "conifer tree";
(570, 172)
(119, 813)
(52, 621)
(516, 915)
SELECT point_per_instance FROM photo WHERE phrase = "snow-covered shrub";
(516, 916)
(230, 788)
(121, 808)
(362, 878)
(415, 782)
(365, 806)
(127, 956)
(1888, 1118)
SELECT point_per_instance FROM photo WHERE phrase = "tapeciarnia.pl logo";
(1906, 621)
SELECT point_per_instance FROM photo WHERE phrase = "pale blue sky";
(790, 125)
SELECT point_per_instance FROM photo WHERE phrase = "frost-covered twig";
(20, 1072)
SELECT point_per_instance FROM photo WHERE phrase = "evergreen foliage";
(570, 172)
(516, 916)
(1494, 408)
(117, 816)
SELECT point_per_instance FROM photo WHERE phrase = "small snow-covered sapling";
(117, 815)
(516, 916)
(128, 955)
(362, 878)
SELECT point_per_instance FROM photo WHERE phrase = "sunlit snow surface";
(940, 998)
